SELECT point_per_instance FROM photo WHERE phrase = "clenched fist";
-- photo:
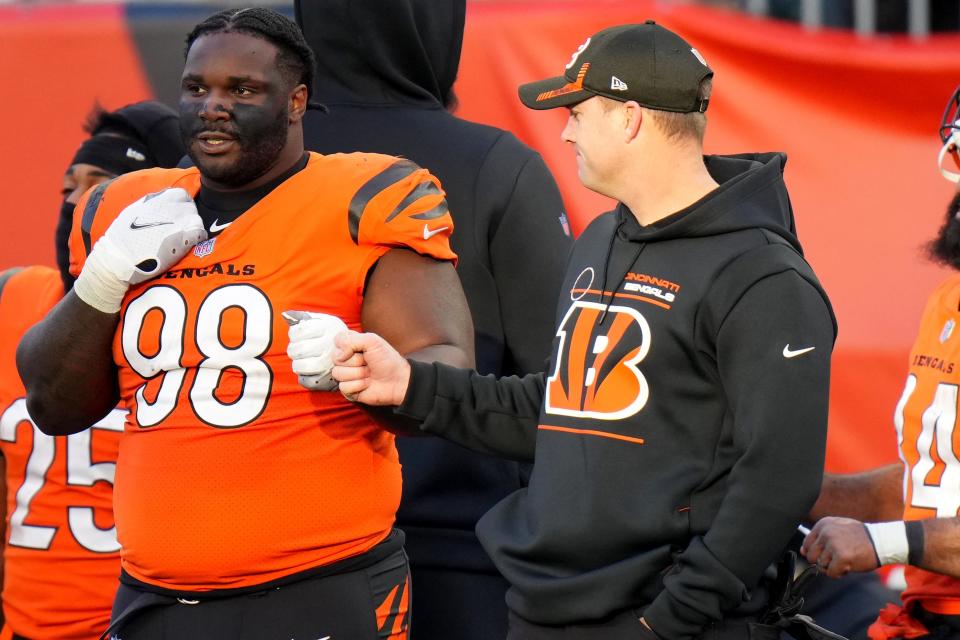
(311, 347)
(146, 239)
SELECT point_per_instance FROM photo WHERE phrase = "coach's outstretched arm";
(483, 413)
(66, 360)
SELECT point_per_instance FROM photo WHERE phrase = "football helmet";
(950, 136)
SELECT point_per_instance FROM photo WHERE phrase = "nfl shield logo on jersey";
(204, 248)
(947, 330)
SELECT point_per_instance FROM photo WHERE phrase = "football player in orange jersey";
(61, 555)
(248, 506)
(907, 513)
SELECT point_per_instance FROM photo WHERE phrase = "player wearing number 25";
(233, 479)
(907, 513)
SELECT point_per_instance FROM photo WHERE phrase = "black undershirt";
(223, 207)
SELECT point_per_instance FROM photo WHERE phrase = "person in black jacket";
(388, 91)
(679, 432)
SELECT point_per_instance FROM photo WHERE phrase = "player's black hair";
(295, 57)
(96, 119)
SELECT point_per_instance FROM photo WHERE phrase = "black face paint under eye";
(260, 132)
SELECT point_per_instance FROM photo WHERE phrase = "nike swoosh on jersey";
(428, 233)
(144, 225)
(215, 227)
(787, 353)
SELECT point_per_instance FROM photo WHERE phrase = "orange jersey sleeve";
(61, 553)
(926, 422)
(250, 476)
(402, 205)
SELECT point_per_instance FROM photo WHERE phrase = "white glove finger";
(312, 366)
(318, 383)
(312, 347)
(317, 328)
(162, 207)
(298, 331)
(172, 195)
(184, 215)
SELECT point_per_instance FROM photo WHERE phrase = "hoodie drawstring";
(606, 267)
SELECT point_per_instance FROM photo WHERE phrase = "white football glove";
(311, 347)
(146, 239)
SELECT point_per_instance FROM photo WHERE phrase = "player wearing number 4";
(907, 513)
(690, 370)
(61, 555)
(247, 505)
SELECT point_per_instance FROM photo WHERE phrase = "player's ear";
(298, 102)
(633, 116)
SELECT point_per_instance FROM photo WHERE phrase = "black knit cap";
(137, 136)
(642, 62)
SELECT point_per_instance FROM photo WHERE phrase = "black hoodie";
(679, 434)
(385, 71)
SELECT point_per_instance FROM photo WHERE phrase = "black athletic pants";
(365, 604)
(942, 627)
(627, 626)
(458, 605)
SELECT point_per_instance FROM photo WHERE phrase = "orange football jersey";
(61, 555)
(231, 474)
(926, 421)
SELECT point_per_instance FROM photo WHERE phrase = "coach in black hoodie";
(679, 432)
(386, 74)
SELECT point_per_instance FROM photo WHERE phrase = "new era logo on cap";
(645, 63)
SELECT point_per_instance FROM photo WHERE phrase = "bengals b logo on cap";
(596, 375)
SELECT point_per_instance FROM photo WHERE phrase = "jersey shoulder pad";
(5, 276)
(397, 203)
(29, 292)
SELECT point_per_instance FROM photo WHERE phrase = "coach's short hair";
(681, 126)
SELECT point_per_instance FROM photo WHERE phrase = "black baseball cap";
(642, 62)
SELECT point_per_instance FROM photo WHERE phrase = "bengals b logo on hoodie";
(596, 374)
